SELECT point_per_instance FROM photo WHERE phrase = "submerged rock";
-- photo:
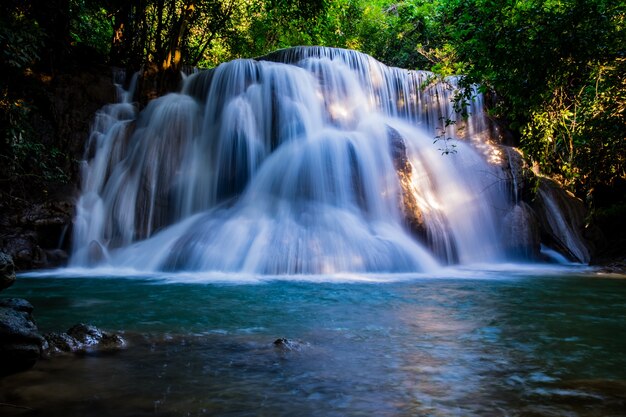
(20, 341)
(7, 271)
(287, 345)
(82, 338)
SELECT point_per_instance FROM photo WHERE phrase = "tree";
(555, 68)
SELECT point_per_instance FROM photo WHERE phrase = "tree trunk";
(173, 61)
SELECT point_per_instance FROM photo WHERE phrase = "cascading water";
(290, 164)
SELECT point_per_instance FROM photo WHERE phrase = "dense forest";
(554, 71)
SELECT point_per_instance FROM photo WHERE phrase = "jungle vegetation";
(554, 70)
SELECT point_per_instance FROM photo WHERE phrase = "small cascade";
(563, 219)
(106, 147)
(309, 160)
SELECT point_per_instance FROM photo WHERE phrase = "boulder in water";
(289, 345)
(83, 338)
(7, 271)
(20, 341)
(96, 253)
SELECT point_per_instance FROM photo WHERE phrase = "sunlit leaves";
(550, 63)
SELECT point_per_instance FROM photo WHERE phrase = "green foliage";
(90, 24)
(22, 155)
(20, 41)
(25, 156)
(555, 67)
(445, 141)
(399, 33)
(557, 70)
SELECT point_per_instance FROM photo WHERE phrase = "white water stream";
(284, 166)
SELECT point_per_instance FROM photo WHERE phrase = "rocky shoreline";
(22, 345)
(21, 342)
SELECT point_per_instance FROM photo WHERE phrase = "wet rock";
(410, 208)
(60, 343)
(287, 345)
(521, 233)
(20, 245)
(96, 253)
(613, 267)
(7, 271)
(83, 338)
(53, 213)
(542, 202)
(516, 172)
(436, 234)
(50, 221)
(20, 341)
(562, 219)
(86, 334)
(56, 257)
(35, 234)
(18, 304)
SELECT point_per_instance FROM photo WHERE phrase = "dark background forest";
(554, 72)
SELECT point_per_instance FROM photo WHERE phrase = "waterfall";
(289, 164)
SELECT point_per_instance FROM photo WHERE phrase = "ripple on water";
(546, 345)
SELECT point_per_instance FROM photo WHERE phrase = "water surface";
(509, 342)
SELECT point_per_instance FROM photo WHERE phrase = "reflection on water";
(522, 346)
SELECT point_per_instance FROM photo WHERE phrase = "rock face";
(435, 233)
(562, 220)
(82, 338)
(7, 271)
(540, 211)
(521, 233)
(20, 341)
(543, 213)
(517, 173)
(410, 208)
(35, 235)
